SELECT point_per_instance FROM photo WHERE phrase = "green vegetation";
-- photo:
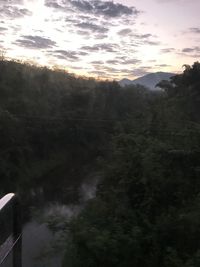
(57, 130)
(147, 208)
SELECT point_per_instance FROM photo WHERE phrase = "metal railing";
(10, 232)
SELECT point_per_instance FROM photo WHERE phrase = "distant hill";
(149, 80)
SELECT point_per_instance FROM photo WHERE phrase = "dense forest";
(56, 130)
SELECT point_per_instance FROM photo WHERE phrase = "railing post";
(17, 234)
(10, 231)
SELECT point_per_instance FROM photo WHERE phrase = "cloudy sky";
(109, 39)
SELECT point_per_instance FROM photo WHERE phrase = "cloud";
(111, 71)
(63, 54)
(138, 39)
(148, 42)
(140, 71)
(167, 50)
(113, 61)
(13, 12)
(90, 48)
(142, 36)
(99, 73)
(91, 27)
(66, 54)
(72, 20)
(101, 47)
(124, 32)
(163, 65)
(97, 62)
(53, 4)
(191, 50)
(2, 29)
(132, 61)
(35, 42)
(108, 47)
(100, 36)
(195, 30)
(129, 32)
(96, 7)
(12, 2)
(124, 61)
(172, 1)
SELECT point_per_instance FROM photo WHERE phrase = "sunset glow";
(114, 40)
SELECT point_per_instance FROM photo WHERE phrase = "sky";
(103, 39)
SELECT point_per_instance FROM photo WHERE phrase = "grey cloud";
(76, 68)
(125, 32)
(85, 28)
(87, 18)
(81, 5)
(126, 71)
(52, 3)
(15, 2)
(107, 8)
(35, 42)
(132, 61)
(195, 30)
(142, 36)
(152, 42)
(90, 48)
(123, 60)
(92, 27)
(128, 31)
(2, 29)
(16, 28)
(108, 47)
(152, 60)
(191, 50)
(107, 69)
(101, 47)
(66, 54)
(167, 50)
(84, 33)
(99, 73)
(137, 71)
(168, 1)
(73, 21)
(113, 62)
(140, 71)
(139, 39)
(100, 36)
(81, 53)
(63, 54)
(112, 70)
(95, 7)
(13, 12)
(143, 39)
(188, 50)
(163, 65)
(97, 62)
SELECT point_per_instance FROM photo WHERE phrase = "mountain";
(150, 80)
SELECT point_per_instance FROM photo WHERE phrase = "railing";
(10, 232)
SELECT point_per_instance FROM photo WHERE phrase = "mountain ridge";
(149, 80)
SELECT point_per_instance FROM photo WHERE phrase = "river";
(43, 236)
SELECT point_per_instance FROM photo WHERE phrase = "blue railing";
(10, 232)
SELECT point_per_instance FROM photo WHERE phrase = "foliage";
(146, 212)
(57, 129)
(54, 128)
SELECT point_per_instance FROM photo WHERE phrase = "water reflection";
(37, 238)
(44, 236)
